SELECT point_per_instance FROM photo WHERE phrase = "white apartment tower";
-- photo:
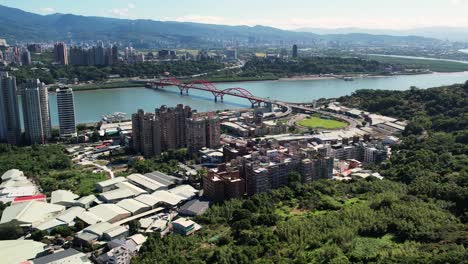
(66, 112)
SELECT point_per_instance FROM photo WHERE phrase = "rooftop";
(185, 190)
(31, 212)
(17, 251)
(147, 182)
(168, 197)
(10, 174)
(67, 256)
(63, 196)
(162, 178)
(133, 205)
(107, 212)
(111, 182)
(98, 229)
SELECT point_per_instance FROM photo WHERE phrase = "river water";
(91, 105)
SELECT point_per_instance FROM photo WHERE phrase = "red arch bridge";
(208, 87)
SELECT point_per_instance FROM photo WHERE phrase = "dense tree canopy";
(50, 167)
(92, 73)
(311, 65)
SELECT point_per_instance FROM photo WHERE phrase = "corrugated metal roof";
(31, 212)
(146, 182)
(63, 196)
(107, 212)
(17, 251)
(133, 205)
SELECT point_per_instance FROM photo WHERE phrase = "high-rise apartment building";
(36, 115)
(66, 112)
(172, 128)
(146, 133)
(10, 127)
(61, 53)
(203, 130)
(196, 134)
(221, 185)
(295, 51)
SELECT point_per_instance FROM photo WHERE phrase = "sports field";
(316, 122)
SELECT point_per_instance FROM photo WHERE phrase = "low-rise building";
(117, 232)
(63, 197)
(19, 251)
(30, 213)
(134, 206)
(108, 185)
(184, 226)
(64, 257)
(109, 212)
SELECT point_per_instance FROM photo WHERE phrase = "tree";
(38, 235)
(11, 230)
(63, 231)
(134, 226)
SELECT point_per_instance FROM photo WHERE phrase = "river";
(91, 105)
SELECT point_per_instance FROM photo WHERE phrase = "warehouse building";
(146, 183)
(30, 213)
(63, 197)
(108, 185)
(133, 206)
(109, 212)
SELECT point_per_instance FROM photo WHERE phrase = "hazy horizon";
(291, 15)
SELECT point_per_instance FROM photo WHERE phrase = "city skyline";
(301, 13)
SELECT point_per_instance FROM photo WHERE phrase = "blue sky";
(288, 14)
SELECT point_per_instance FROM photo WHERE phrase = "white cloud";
(131, 5)
(120, 12)
(455, 2)
(46, 10)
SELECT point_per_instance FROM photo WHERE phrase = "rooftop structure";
(133, 206)
(99, 228)
(194, 207)
(30, 213)
(109, 212)
(185, 227)
(148, 199)
(162, 178)
(109, 184)
(11, 174)
(116, 232)
(86, 201)
(186, 191)
(18, 251)
(146, 182)
(168, 198)
(63, 197)
(64, 257)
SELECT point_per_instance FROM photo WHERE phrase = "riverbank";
(130, 84)
(435, 65)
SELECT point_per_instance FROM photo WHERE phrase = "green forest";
(92, 73)
(50, 167)
(417, 214)
(311, 65)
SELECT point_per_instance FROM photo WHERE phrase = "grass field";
(433, 65)
(109, 85)
(316, 122)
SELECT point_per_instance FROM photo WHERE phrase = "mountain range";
(442, 33)
(19, 26)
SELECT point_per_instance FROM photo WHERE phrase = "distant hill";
(442, 33)
(19, 26)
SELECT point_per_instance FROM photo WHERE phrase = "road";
(104, 168)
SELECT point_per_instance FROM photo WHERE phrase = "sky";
(285, 14)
